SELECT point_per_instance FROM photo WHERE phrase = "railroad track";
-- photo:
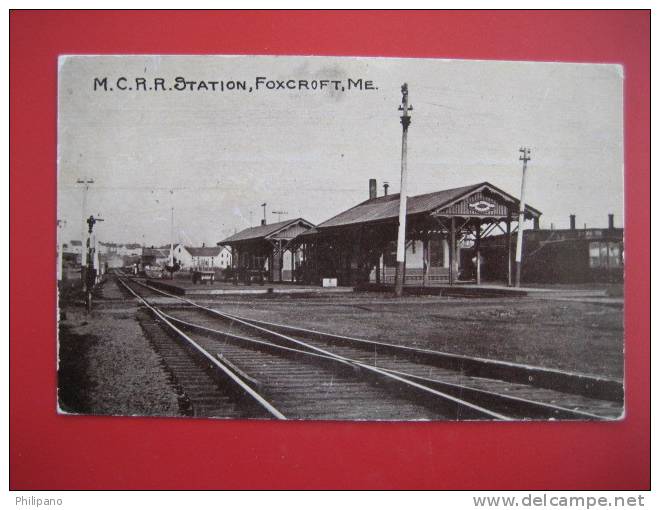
(308, 374)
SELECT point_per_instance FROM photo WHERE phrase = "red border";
(48, 451)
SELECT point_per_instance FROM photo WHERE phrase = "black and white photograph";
(340, 238)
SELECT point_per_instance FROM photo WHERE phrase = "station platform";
(187, 288)
(586, 293)
(457, 290)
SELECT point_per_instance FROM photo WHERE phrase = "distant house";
(182, 256)
(154, 257)
(74, 247)
(132, 250)
(203, 256)
(123, 250)
(72, 253)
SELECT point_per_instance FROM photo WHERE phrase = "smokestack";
(572, 221)
(386, 185)
(263, 222)
(373, 193)
(610, 222)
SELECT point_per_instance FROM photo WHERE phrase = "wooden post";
(234, 264)
(426, 245)
(452, 250)
(477, 243)
(271, 266)
(508, 248)
(380, 257)
(457, 256)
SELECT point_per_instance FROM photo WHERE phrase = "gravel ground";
(107, 366)
(568, 335)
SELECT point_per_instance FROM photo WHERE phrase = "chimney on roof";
(372, 189)
(203, 245)
(386, 185)
(572, 221)
(263, 222)
(610, 222)
(537, 224)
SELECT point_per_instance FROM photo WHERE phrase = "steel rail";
(400, 378)
(536, 407)
(243, 386)
(350, 362)
(559, 380)
(409, 378)
(554, 379)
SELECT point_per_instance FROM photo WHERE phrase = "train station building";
(444, 232)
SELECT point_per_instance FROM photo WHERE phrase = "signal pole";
(403, 199)
(90, 274)
(83, 239)
(524, 157)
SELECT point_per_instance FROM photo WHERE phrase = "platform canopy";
(262, 248)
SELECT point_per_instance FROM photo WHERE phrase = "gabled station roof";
(264, 232)
(387, 207)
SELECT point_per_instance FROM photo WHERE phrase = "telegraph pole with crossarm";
(403, 199)
(524, 157)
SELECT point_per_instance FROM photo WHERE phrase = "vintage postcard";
(334, 238)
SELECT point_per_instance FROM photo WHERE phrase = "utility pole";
(524, 157)
(60, 255)
(172, 237)
(403, 199)
(279, 214)
(83, 238)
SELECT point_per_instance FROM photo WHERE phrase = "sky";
(216, 156)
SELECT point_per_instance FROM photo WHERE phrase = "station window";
(605, 254)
